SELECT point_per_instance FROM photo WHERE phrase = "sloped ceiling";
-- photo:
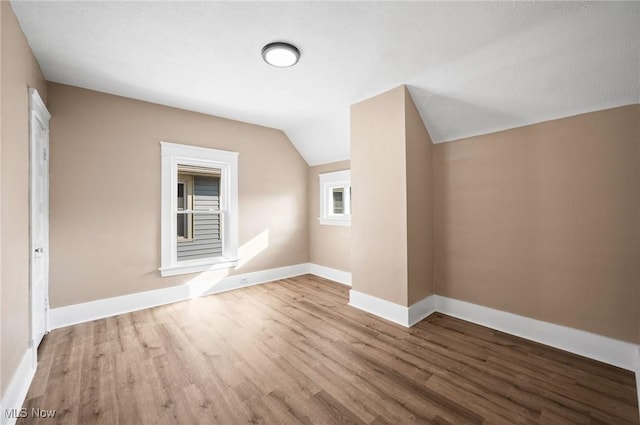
(472, 68)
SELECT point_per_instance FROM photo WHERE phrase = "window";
(199, 209)
(335, 198)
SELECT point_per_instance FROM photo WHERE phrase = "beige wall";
(19, 71)
(105, 193)
(378, 180)
(543, 221)
(419, 171)
(391, 173)
(329, 246)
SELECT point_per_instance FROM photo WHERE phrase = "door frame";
(38, 115)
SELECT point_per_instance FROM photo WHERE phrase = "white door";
(39, 205)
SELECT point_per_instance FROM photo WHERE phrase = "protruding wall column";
(391, 176)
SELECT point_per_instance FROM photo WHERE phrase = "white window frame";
(227, 161)
(328, 182)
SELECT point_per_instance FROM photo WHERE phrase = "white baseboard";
(331, 274)
(256, 278)
(17, 390)
(405, 316)
(421, 309)
(607, 350)
(205, 284)
(379, 307)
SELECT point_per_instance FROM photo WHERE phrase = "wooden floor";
(293, 352)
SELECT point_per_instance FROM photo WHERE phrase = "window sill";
(335, 221)
(223, 263)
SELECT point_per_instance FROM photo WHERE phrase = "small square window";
(335, 198)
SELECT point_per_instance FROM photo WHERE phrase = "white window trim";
(227, 161)
(329, 181)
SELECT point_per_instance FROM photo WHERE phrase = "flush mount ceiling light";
(280, 54)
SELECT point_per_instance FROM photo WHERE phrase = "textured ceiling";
(472, 68)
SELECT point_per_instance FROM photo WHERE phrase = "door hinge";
(44, 154)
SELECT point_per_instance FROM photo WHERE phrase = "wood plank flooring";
(293, 352)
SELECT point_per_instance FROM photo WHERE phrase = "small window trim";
(328, 182)
(227, 161)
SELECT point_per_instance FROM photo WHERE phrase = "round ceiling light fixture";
(280, 54)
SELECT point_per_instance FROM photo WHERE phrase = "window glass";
(199, 220)
(182, 225)
(181, 199)
(338, 204)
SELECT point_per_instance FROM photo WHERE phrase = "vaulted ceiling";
(472, 68)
